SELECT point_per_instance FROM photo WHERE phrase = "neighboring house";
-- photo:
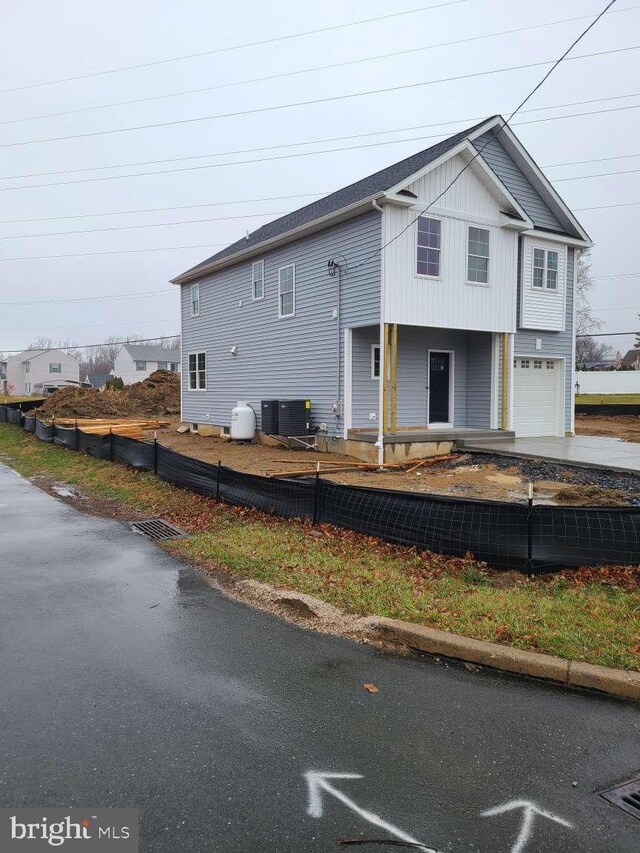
(98, 379)
(470, 305)
(632, 359)
(135, 362)
(31, 371)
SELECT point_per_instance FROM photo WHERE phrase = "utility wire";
(480, 150)
(116, 252)
(598, 175)
(233, 152)
(420, 138)
(232, 47)
(95, 326)
(86, 346)
(107, 298)
(367, 59)
(330, 99)
(148, 225)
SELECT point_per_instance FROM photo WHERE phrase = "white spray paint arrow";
(529, 811)
(318, 782)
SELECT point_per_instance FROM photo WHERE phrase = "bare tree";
(587, 348)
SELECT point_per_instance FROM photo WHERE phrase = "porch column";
(384, 373)
(394, 377)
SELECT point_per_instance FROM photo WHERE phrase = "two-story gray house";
(412, 309)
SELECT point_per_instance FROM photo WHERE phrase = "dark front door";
(439, 386)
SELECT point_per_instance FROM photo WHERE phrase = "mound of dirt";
(590, 496)
(158, 394)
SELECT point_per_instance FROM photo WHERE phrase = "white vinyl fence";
(608, 382)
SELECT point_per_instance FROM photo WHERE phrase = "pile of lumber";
(117, 426)
(323, 466)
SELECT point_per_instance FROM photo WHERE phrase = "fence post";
(530, 528)
(155, 452)
(110, 444)
(218, 480)
(316, 495)
(77, 436)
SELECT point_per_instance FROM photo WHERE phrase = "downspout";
(339, 397)
(383, 360)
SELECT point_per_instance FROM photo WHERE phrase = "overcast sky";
(45, 41)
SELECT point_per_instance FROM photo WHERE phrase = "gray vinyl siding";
(479, 358)
(554, 344)
(515, 181)
(289, 358)
(364, 389)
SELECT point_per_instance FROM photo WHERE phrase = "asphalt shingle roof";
(372, 185)
(141, 352)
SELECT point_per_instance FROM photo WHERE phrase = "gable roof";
(30, 354)
(141, 352)
(375, 185)
(631, 357)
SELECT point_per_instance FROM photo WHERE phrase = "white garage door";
(536, 396)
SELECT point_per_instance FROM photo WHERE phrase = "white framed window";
(141, 365)
(174, 366)
(27, 367)
(478, 255)
(162, 365)
(287, 291)
(195, 300)
(55, 367)
(545, 269)
(197, 371)
(429, 245)
(375, 361)
(257, 280)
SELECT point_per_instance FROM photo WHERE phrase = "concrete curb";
(616, 682)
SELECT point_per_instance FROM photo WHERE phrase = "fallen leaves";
(371, 688)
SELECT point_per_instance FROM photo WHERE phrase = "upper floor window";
(478, 255)
(174, 366)
(55, 367)
(287, 291)
(162, 365)
(141, 365)
(197, 371)
(545, 269)
(257, 280)
(429, 246)
(195, 300)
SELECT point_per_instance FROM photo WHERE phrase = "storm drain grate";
(626, 797)
(156, 528)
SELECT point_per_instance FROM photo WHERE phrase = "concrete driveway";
(128, 681)
(586, 450)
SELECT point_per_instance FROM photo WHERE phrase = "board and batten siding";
(555, 344)
(288, 358)
(514, 179)
(541, 308)
(450, 301)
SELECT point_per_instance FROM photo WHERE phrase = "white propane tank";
(243, 422)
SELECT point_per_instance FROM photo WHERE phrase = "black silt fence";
(290, 499)
(137, 454)
(4, 417)
(491, 531)
(29, 423)
(98, 446)
(44, 431)
(14, 416)
(568, 537)
(542, 538)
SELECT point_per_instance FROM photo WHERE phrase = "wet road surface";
(125, 680)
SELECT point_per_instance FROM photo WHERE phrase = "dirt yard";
(626, 427)
(471, 475)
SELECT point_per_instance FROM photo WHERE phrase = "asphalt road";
(126, 681)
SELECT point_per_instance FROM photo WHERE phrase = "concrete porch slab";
(587, 451)
(422, 435)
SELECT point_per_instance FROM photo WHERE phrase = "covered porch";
(418, 390)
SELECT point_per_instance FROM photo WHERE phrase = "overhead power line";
(115, 252)
(326, 100)
(147, 225)
(106, 298)
(229, 48)
(94, 326)
(314, 69)
(323, 140)
(479, 151)
(598, 175)
(297, 154)
(102, 344)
